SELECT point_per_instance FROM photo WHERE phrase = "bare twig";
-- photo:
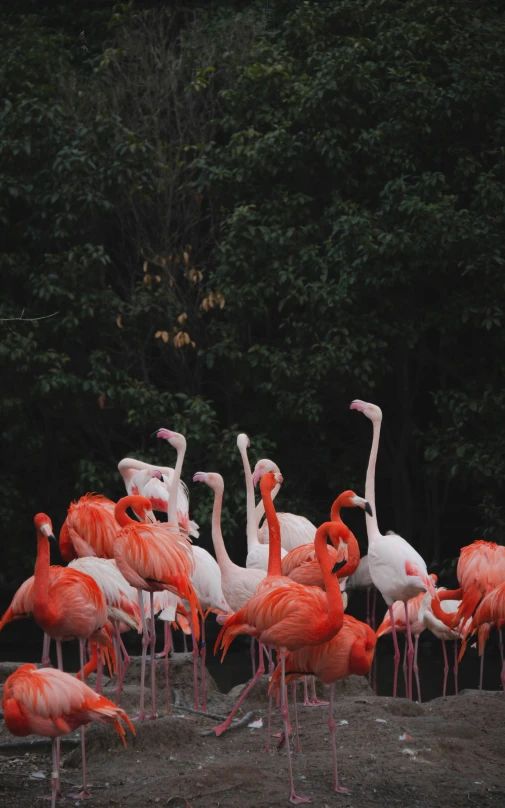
(27, 319)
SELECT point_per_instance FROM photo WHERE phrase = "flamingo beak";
(359, 502)
(338, 565)
(256, 476)
(200, 477)
(47, 531)
(150, 517)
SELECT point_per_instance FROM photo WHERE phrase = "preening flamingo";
(153, 557)
(481, 568)
(257, 553)
(440, 630)
(416, 627)
(51, 703)
(397, 570)
(155, 483)
(295, 530)
(288, 615)
(348, 652)
(89, 528)
(490, 611)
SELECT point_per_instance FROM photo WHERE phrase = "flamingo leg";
(368, 621)
(261, 670)
(253, 656)
(446, 667)
(314, 702)
(374, 604)
(168, 647)
(456, 667)
(500, 643)
(416, 668)
(84, 793)
(410, 652)
(195, 666)
(99, 672)
(185, 643)
(59, 655)
(269, 721)
(293, 693)
(46, 661)
(306, 701)
(55, 772)
(296, 799)
(404, 666)
(145, 641)
(203, 653)
(397, 650)
(120, 662)
(152, 641)
(481, 676)
(168, 644)
(331, 725)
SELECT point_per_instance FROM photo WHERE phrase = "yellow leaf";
(119, 321)
(182, 318)
(145, 265)
(186, 258)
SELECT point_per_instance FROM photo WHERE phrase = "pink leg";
(410, 652)
(404, 667)
(331, 725)
(296, 799)
(55, 772)
(168, 642)
(121, 669)
(152, 642)
(269, 722)
(168, 647)
(374, 662)
(368, 621)
(456, 667)
(195, 667)
(314, 702)
(99, 671)
(203, 652)
(306, 701)
(502, 677)
(84, 793)
(46, 661)
(145, 642)
(261, 670)
(253, 656)
(59, 656)
(185, 643)
(293, 693)
(481, 676)
(416, 668)
(373, 607)
(446, 667)
(397, 650)
(500, 643)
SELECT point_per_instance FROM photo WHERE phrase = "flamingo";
(152, 557)
(440, 630)
(67, 603)
(491, 610)
(397, 570)
(89, 528)
(51, 703)
(362, 579)
(288, 615)
(416, 626)
(257, 553)
(481, 568)
(349, 652)
(295, 530)
(155, 483)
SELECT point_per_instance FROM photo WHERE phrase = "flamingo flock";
(126, 573)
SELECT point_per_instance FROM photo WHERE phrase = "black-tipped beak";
(368, 509)
(338, 565)
(155, 433)
(162, 480)
(52, 537)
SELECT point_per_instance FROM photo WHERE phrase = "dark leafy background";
(241, 217)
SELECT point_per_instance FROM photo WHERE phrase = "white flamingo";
(396, 569)
(441, 631)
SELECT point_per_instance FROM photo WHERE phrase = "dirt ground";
(448, 753)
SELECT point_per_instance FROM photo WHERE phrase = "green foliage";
(230, 222)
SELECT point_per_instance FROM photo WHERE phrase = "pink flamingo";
(348, 652)
(152, 557)
(397, 570)
(51, 703)
(440, 630)
(490, 611)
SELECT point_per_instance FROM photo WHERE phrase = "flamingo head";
(213, 480)
(143, 508)
(243, 441)
(262, 467)
(351, 500)
(371, 411)
(175, 439)
(155, 474)
(269, 480)
(44, 525)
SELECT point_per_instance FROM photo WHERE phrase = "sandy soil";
(452, 755)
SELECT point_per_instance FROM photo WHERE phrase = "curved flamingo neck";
(372, 526)
(332, 586)
(120, 514)
(174, 486)
(336, 507)
(274, 530)
(41, 606)
(260, 508)
(338, 531)
(251, 526)
(223, 559)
